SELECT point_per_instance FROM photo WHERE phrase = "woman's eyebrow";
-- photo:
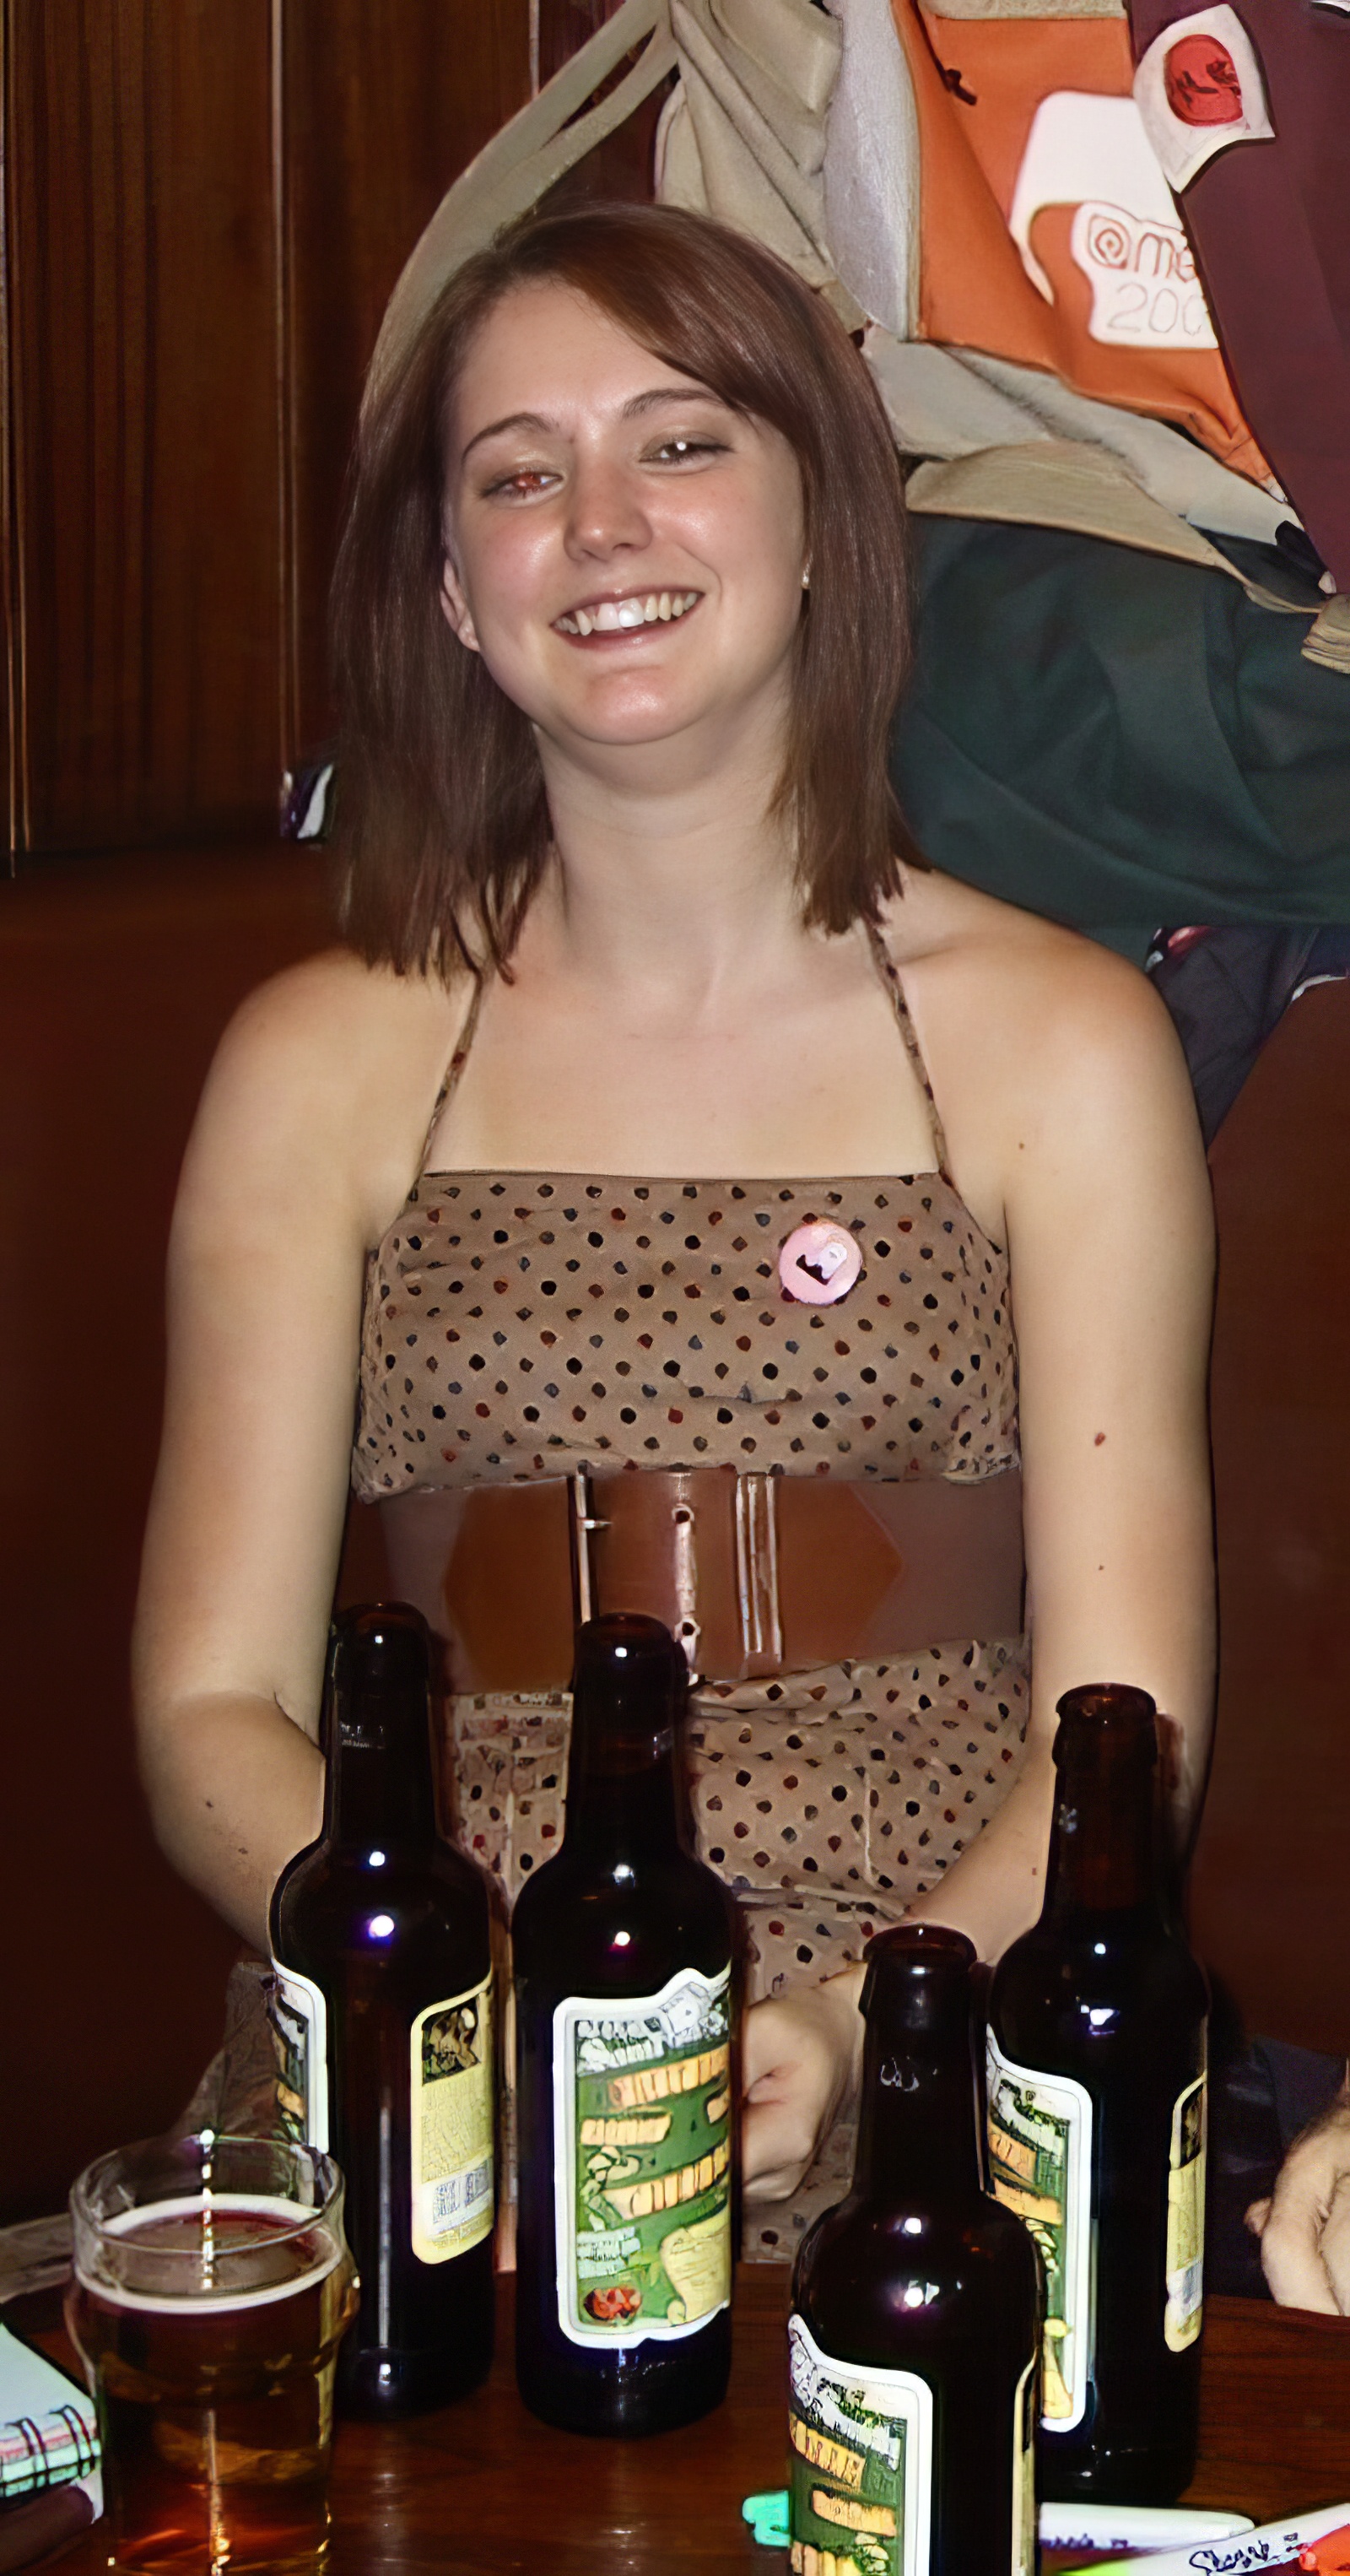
(632, 410)
(671, 393)
(513, 420)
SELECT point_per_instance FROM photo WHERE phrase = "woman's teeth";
(610, 616)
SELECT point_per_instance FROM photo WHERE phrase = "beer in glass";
(212, 2285)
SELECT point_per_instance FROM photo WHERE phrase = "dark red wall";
(1271, 1885)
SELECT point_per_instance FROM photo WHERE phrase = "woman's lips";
(609, 620)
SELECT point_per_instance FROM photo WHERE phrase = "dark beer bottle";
(382, 2016)
(624, 2027)
(1096, 2093)
(916, 2309)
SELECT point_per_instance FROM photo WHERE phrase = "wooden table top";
(483, 2490)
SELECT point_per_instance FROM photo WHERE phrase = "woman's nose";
(607, 511)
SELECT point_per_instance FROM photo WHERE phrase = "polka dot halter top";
(524, 1324)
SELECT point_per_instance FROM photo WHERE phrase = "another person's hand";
(1304, 2227)
(802, 2056)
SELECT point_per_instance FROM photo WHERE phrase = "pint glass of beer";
(212, 2286)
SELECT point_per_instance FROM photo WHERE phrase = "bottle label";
(298, 2016)
(861, 2495)
(1024, 2561)
(1040, 2164)
(1186, 2219)
(450, 2128)
(642, 2161)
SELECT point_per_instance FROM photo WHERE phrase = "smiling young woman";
(746, 383)
(665, 1121)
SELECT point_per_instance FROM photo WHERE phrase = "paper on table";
(47, 2431)
(1316, 2542)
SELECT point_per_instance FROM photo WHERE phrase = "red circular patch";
(1202, 84)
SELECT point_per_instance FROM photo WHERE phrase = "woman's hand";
(1305, 2225)
(801, 2062)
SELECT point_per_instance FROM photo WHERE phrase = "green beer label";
(642, 2160)
(861, 2476)
(1040, 2164)
(1184, 2312)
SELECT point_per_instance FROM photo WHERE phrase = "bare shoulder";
(1066, 1024)
(330, 1067)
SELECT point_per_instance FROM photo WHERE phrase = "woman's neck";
(682, 942)
(667, 855)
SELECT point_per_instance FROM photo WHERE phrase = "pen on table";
(1146, 2527)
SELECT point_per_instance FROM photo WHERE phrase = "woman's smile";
(601, 621)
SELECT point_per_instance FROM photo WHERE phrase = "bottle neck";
(1103, 1841)
(623, 1798)
(917, 2128)
(379, 1794)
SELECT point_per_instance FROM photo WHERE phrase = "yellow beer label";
(1186, 2219)
(1040, 2164)
(1024, 2561)
(450, 2130)
(642, 2115)
(860, 2499)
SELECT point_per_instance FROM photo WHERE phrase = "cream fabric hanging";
(800, 128)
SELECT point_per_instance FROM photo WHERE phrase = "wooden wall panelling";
(383, 104)
(145, 419)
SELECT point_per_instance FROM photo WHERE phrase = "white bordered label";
(1040, 2164)
(299, 2018)
(642, 2117)
(861, 2464)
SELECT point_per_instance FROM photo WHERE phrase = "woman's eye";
(680, 449)
(523, 484)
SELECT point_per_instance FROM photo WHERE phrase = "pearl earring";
(806, 578)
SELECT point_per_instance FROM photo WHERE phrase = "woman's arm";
(288, 1176)
(1090, 1135)
(1110, 1237)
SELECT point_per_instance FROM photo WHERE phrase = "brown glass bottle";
(1096, 2088)
(915, 2331)
(383, 2016)
(623, 1950)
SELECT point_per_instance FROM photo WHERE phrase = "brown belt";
(755, 1574)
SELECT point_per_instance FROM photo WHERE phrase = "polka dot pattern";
(522, 1325)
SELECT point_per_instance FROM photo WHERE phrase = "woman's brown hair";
(443, 826)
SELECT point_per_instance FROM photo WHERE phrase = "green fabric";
(1118, 740)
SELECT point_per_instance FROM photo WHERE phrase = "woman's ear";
(456, 607)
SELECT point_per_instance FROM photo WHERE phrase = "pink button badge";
(819, 1264)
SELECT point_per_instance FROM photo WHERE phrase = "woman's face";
(624, 550)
